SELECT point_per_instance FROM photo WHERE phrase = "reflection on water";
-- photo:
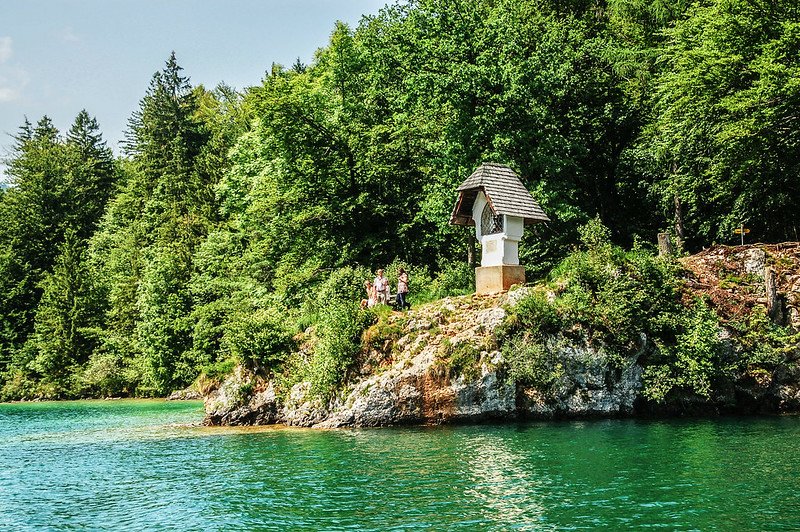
(497, 477)
(149, 465)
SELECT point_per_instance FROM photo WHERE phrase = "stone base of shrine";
(493, 279)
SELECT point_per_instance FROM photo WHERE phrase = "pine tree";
(60, 186)
(150, 234)
(69, 307)
(92, 175)
(29, 234)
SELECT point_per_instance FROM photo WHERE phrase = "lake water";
(140, 465)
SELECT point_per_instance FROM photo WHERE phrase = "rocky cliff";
(442, 362)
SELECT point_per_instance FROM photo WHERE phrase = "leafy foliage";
(626, 302)
(339, 333)
(237, 219)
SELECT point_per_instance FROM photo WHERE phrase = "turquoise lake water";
(141, 465)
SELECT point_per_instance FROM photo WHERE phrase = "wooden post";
(664, 245)
(774, 310)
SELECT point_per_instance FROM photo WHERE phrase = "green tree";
(69, 308)
(725, 135)
(176, 142)
(92, 176)
(60, 186)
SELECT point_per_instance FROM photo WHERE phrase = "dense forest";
(235, 219)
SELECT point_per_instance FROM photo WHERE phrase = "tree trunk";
(471, 251)
(774, 307)
(680, 229)
(664, 245)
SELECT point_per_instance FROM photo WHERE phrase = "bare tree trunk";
(664, 245)
(471, 251)
(774, 307)
(680, 229)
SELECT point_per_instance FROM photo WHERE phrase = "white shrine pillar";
(500, 268)
(495, 201)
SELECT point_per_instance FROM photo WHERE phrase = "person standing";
(381, 287)
(402, 290)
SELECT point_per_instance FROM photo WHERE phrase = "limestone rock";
(419, 386)
(301, 408)
(236, 403)
(445, 365)
(754, 260)
(187, 394)
(590, 384)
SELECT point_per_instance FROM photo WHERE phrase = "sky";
(60, 56)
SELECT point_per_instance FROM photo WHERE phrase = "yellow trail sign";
(741, 231)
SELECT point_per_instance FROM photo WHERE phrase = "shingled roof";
(505, 192)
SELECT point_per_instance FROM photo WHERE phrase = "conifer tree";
(92, 175)
(29, 233)
(150, 233)
(69, 307)
(60, 186)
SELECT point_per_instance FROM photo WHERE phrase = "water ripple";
(146, 465)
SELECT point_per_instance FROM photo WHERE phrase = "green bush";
(761, 345)
(104, 375)
(612, 297)
(109, 371)
(532, 363)
(212, 375)
(342, 287)
(218, 370)
(259, 339)
(453, 279)
(594, 235)
(534, 315)
(339, 331)
(687, 355)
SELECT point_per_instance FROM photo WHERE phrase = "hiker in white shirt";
(381, 285)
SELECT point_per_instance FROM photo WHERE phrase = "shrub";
(258, 339)
(104, 375)
(762, 343)
(532, 363)
(688, 353)
(594, 235)
(212, 375)
(465, 360)
(453, 279)
(382, 331)
(339, 331)
(342, 287)
(612, 296)
(534, 315)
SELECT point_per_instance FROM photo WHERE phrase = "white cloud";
(12, 83)
(5, 49)
(12, 78)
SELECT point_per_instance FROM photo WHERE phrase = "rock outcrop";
(187, 394)
(733, 278)
(443, 364)
(418, 384)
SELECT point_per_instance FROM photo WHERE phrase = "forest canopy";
(218, 233)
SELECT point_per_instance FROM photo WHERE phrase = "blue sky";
(60, 56)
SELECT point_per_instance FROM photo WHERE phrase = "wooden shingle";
(505, 192)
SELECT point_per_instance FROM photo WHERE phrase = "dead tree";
(665, 245)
